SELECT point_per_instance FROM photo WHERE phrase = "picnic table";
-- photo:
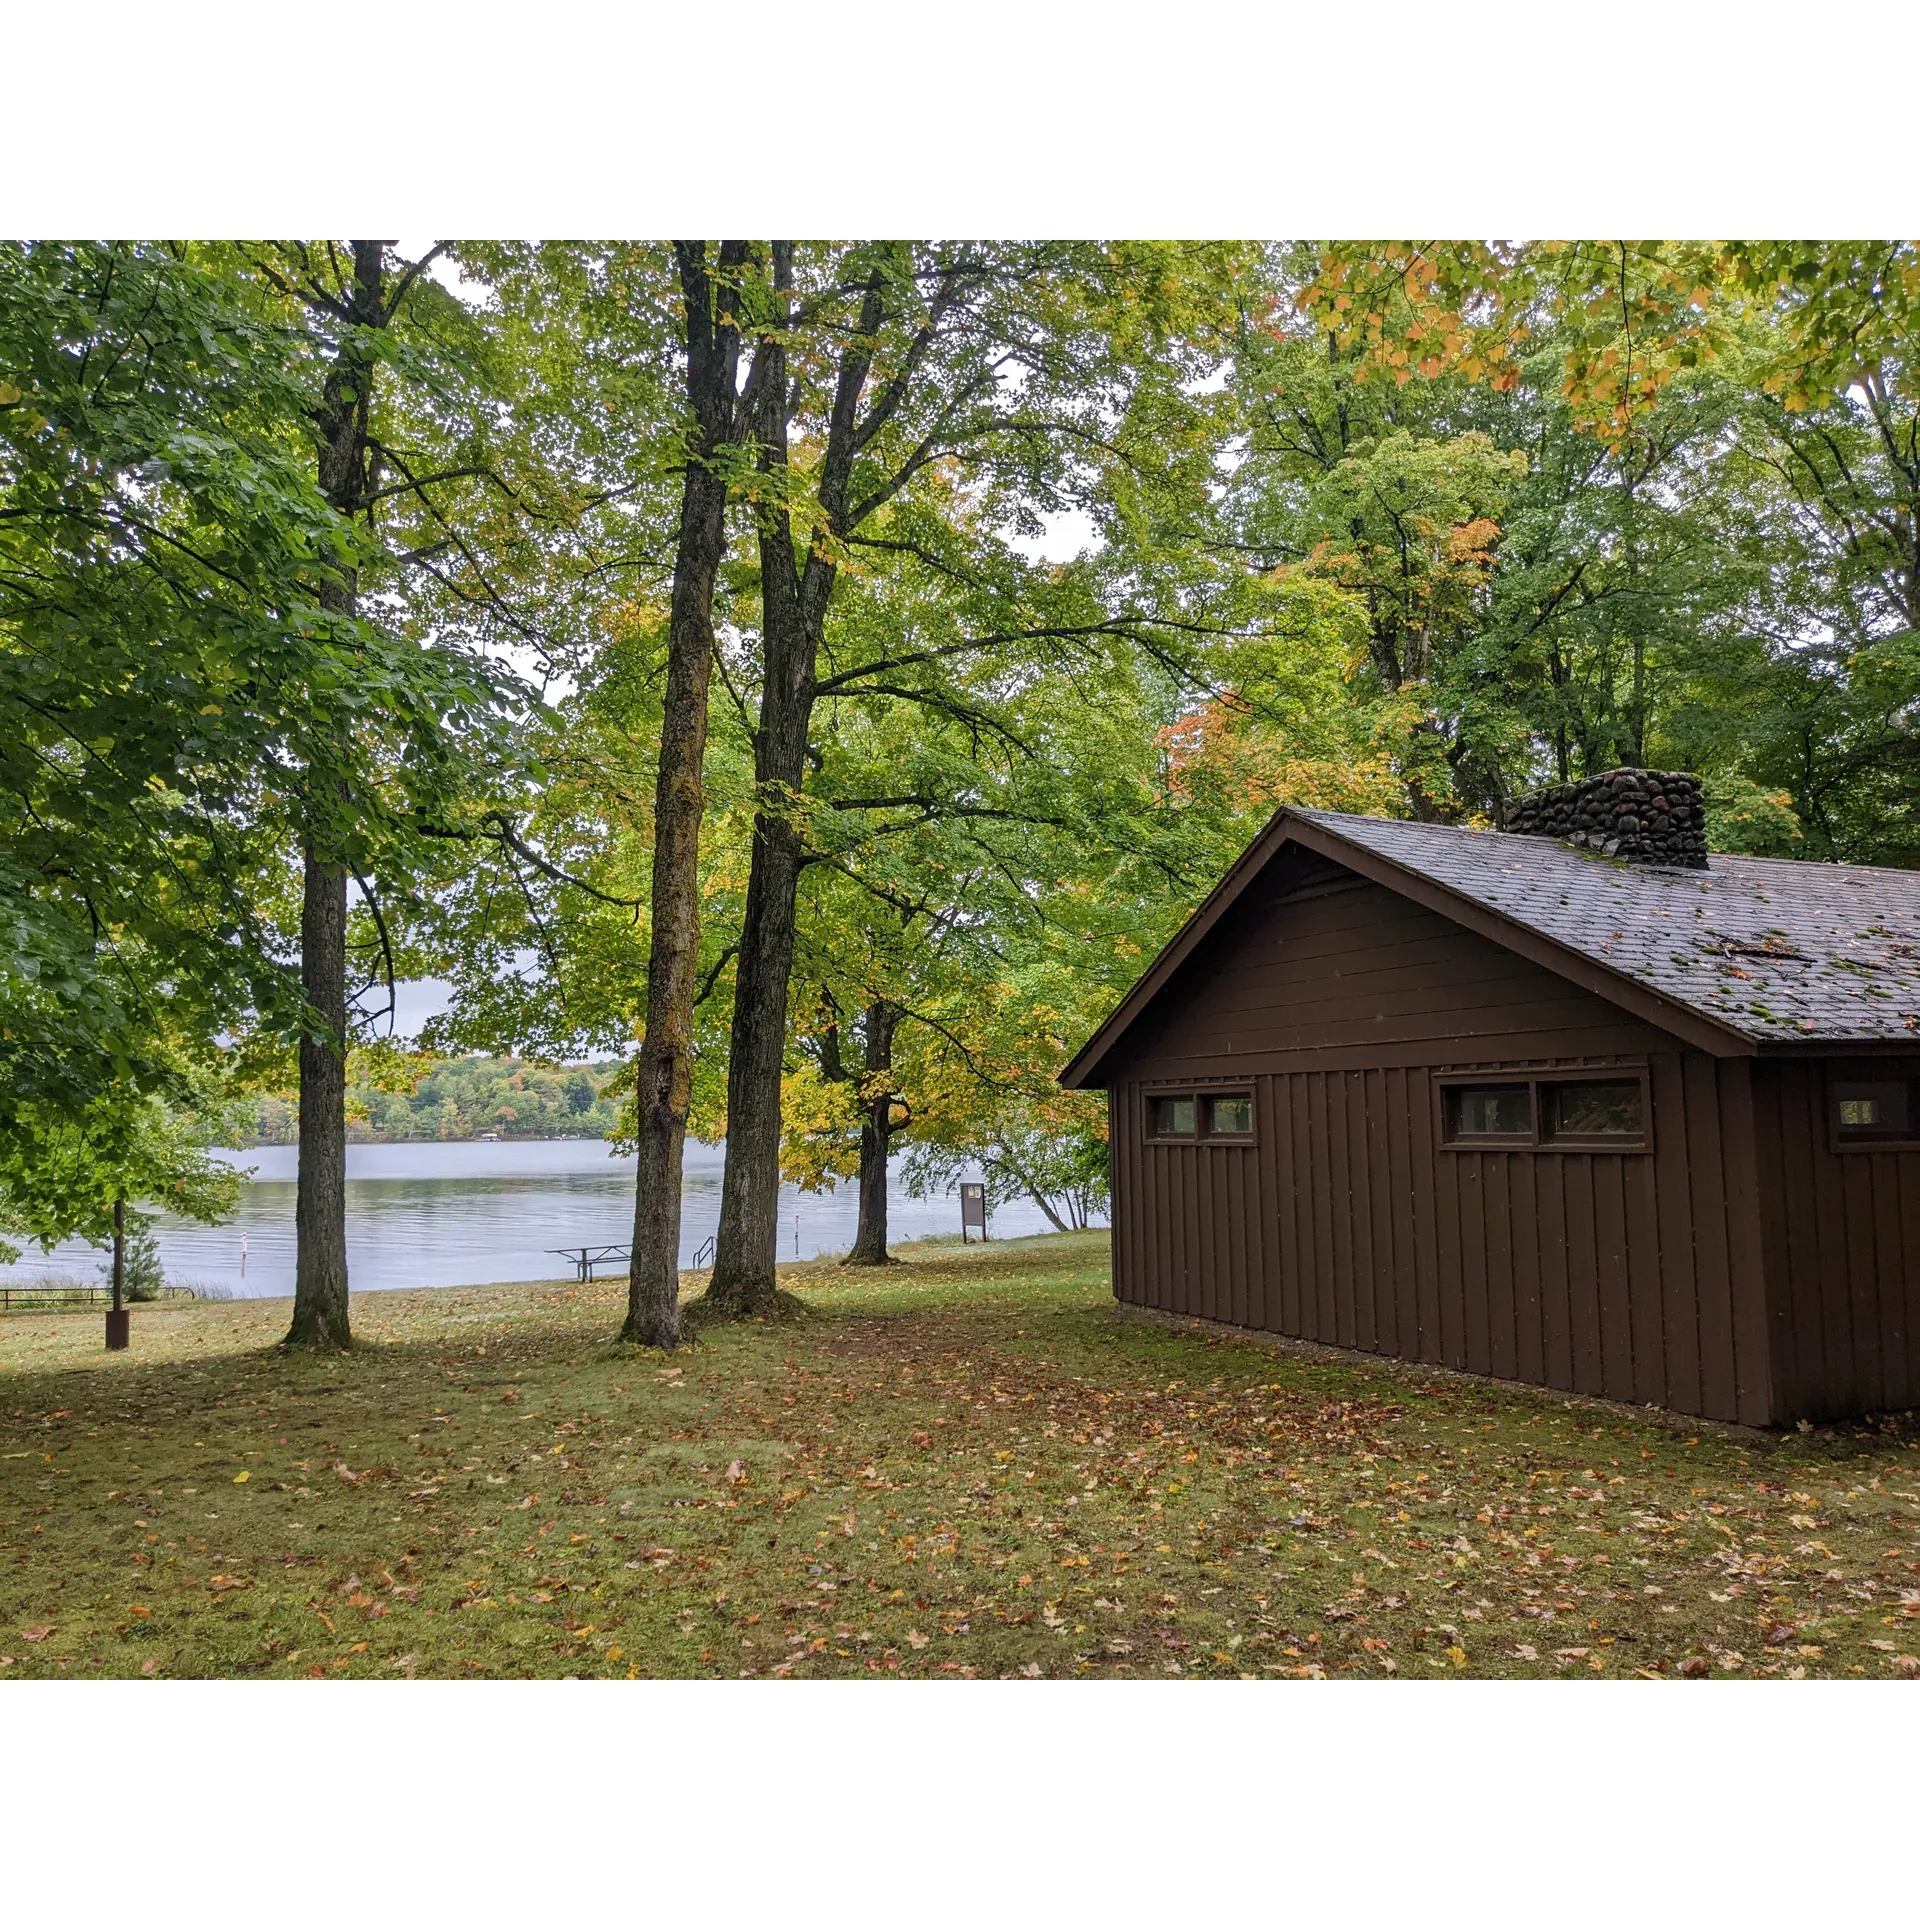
(585, 1259)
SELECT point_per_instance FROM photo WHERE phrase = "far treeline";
(819, 676)
(462, 1099)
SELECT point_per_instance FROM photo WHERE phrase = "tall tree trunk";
(794, 601)
(346, 474)
(877, 1128)
(745, 1243)
(320, 1200)
(665, 1082)
(744, 1250)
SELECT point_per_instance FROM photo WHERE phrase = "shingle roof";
(1776, 949)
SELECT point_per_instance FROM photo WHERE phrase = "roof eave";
(1801, 1044)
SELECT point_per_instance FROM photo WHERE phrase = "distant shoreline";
(465, 1140)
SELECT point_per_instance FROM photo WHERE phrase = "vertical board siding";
(1348, 1223)
(1841, 1244)
(1678, 1307)
(1503, 1318)
(1612, 1288)
(1721, 1356)
(1529, 1356)
(1426, 1251)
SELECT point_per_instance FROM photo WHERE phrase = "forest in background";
(460, 1099)
(821, 675)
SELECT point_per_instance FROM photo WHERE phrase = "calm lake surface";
(444, 1215)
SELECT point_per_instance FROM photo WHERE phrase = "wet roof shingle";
(1776, 949)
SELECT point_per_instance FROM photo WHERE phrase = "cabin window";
(1197, 1118)
(1503, 1113)
(1874, 1109)
(1552, 1111)
(1594, 1109)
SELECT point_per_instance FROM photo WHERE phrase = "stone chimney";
(1652, 819)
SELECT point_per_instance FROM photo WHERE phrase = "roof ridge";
(1591, 853)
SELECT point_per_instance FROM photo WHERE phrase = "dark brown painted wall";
(1843, 1254)
(1633, 1276)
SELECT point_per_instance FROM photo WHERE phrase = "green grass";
(967, 1464)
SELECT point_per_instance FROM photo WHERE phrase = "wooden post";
(119, 1321)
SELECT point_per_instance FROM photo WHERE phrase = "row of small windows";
(1545, 1113)
(1518, 1113)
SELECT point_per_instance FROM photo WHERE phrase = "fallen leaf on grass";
(916, 1640)
(226, 1582)
(35, 1633)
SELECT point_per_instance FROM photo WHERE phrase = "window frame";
(1841, 1073)
(1536, 1080)
(1200, 1095)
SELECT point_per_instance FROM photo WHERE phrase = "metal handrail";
(703, 1254)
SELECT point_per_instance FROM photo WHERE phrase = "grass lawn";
(967, 1464)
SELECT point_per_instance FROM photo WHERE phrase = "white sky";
(1041, 117)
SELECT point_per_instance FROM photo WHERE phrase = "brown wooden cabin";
(1508, 1105)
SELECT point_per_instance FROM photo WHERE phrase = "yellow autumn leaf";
(1458, 1655)
(238, 1477)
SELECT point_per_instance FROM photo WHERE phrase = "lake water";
(434, 1215)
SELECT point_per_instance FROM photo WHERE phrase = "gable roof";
(1746, 954)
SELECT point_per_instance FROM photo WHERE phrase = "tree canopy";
(957, 612)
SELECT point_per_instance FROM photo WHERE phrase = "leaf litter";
(968, 1465)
